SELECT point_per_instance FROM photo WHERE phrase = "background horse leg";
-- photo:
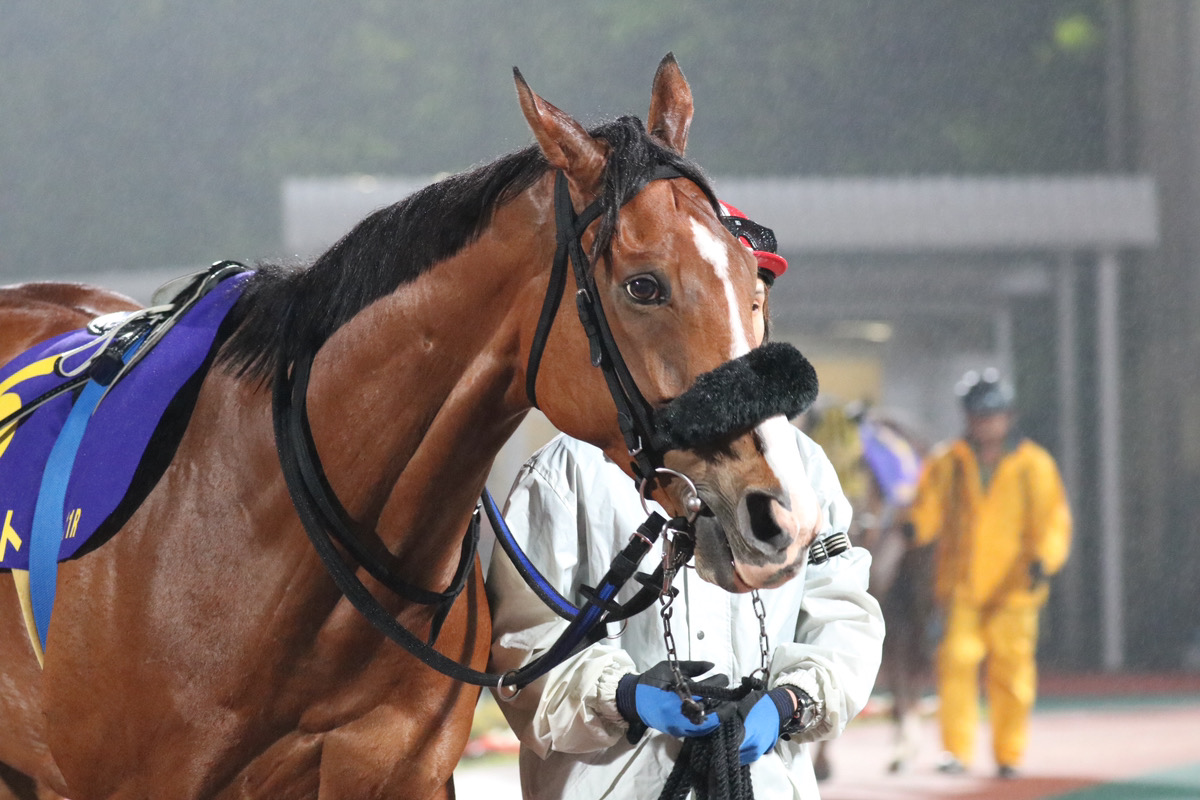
(907, 607)
(908, 737)
(901, 577)
(821, 765)
(906, 695)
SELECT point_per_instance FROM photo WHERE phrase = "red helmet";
(758, 238)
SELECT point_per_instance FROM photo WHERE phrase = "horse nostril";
(762, 519)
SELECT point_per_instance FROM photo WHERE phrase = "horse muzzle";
(739, 446)
(758, 542)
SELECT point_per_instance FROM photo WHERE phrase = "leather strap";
(635, 417)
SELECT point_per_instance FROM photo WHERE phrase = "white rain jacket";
(572, 510)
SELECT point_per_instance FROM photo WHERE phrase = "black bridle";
(328, 524)
(635, 417)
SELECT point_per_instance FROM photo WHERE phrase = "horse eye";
(644, 289)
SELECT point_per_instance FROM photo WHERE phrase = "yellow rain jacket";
(988, 537)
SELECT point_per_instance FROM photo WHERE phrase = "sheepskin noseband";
(772, 380)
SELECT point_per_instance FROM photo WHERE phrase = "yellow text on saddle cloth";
(118, 453)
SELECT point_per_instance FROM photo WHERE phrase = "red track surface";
(1089, 731)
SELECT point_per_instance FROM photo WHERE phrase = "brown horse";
(204, 652)
(901, 575)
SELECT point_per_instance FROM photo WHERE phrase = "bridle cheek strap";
(635, 417)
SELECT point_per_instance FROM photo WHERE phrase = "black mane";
(285, 314)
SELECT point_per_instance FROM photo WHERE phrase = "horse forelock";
(289, 311)
(633, 153)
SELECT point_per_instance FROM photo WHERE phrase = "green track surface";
(1169, 785)
(1070, 702)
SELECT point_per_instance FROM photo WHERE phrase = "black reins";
(329, 525)
(322, 511)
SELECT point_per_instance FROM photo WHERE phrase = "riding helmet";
(984, 393)
(758, 238)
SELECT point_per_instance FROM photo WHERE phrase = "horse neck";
(412, 399)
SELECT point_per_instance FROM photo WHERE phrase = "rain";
(956, 184)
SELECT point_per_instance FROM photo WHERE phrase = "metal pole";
(1112, 600)
(1116, 105)
(1002, 333)
(1068, 442)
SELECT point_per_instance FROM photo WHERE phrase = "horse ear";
(670, 105)
(564, 142)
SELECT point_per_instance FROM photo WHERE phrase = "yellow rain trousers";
(987, 539)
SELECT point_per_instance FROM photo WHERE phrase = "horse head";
(674, 294)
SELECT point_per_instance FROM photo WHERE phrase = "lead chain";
(764, 643)
(690, 708)
(666, 598)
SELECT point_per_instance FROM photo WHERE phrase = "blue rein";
(537, 582)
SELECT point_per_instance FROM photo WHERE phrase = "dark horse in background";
(203, 651)
(877, 459)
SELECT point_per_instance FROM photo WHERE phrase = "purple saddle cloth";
(129, 439)
(894, 462)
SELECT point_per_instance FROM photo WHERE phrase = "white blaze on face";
(713, 251)
(778, 442)
(776, 436)
(782, 453)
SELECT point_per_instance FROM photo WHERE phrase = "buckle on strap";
(832, 545)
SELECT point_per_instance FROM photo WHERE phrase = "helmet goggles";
(760, 237)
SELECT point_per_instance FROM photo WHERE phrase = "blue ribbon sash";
(68, 467)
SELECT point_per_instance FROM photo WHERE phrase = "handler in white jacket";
(571, 510)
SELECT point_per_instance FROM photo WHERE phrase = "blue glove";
(649, 700)
(764, 714)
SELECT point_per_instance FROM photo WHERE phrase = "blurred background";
(956, 183)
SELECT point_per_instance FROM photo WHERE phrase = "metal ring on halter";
(617, 635)
(693, 503)
(500, 687)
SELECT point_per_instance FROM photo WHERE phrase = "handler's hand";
(764, 715)
(648, 700)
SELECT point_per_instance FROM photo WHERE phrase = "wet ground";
(1092, 738)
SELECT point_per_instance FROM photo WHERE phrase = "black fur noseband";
(775, 379)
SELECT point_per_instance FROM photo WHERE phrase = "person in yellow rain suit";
(995, 504)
